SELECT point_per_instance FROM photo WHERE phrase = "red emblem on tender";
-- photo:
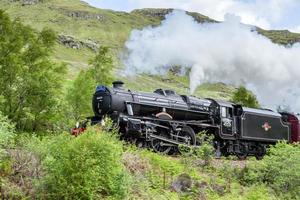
(266, 126)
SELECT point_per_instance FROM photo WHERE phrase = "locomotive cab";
(227, 118)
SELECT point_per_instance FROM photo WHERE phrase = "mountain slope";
(90, 26)
(82, 28)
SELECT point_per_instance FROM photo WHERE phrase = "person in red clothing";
(79, 128)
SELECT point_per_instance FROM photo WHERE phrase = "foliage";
(278, 170)
(153, 174)
(80, 93)
(102, 66)
(7, 130)
(244, 97)
(205, 151)
(30, 84)
(91, 166)
(86, 167)
(7, 135)
(6, 141)
(261, 192)
(79, 96)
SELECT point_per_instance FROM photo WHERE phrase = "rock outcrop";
(161, 13)
(149, 12)
(71, 42)
(84, 15)
(27, 2)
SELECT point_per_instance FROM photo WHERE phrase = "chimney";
(118, 84)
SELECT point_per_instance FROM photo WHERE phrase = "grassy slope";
(78, 19)
(112, 30)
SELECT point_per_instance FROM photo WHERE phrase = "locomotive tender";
(163, 120)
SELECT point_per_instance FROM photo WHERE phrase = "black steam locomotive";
(163, 120)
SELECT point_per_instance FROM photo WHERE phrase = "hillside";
(82, 28)
(89, 26)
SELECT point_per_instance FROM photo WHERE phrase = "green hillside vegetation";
(103, 27)
(97, 165)
(283, 37)
(87, 28)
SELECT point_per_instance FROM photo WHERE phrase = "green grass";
(112, 31)
(180, 84)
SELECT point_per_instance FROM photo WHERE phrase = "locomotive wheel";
(160, 146)
(188, 134)
(261, 151)
(242, 155)
(189, 139)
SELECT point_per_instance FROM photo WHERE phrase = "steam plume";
(228, 52)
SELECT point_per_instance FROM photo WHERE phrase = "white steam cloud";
(227, 52)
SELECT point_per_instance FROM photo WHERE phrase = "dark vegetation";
(245, 97)
(40, 160)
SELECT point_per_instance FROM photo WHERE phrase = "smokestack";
(118, 84)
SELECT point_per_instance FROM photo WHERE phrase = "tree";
(244, 97)
(30, 83)
(80, 94)
(101, 66)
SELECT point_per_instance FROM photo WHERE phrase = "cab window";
(230, 112)
(226, 112)
(223, 112)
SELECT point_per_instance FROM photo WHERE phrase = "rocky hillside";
(82, 28)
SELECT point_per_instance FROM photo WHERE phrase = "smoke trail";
(227, 52)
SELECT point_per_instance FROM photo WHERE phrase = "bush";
(205, 151)
(278, 170)
(6, 132)
(245, 98)
(6, 141)
(85, 167)
(260, 192)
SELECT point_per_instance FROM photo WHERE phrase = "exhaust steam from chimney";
(227, 52)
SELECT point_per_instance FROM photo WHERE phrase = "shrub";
(206, 150)
(86, 167)
(6, 141)
(278, 170)
(6, 132)
(245, 97)
(260, 192)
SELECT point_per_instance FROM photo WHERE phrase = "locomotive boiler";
(163, 120)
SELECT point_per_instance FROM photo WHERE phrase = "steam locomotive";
(163, 120)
